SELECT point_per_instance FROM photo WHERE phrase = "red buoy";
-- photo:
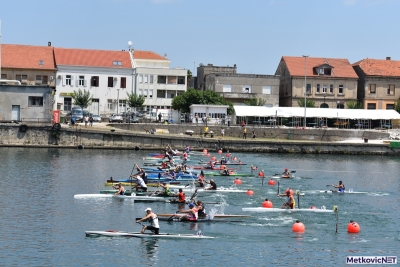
(220, 151)
(249, 192)
(290, 190)
(267, 204)
(298, 227)
(227, 155)
(261, 173)
(353, 227)
(237, 181)
(205, 151)
(207, 155)
(313, 208)
(212, 158)
(271, 182)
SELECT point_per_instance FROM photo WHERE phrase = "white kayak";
(261, 209)
(218, 190)
(112, 233)
(341, 193)
(137, 198)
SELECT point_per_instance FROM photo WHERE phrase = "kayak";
(278, 177)
(134, 197)
(261, 209)
(229, 163)
(211, 169)
(153, 184)
(113, 233)
(215, 216)
(231, 174)
(341, 193)
(179, 219)
(219, 189)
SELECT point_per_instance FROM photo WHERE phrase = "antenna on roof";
(130, 45)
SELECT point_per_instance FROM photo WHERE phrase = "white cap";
(148, 209)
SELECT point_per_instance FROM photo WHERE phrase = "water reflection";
(151, 249)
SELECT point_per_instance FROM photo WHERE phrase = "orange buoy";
(249, 192)
(271, 182)
(298, 227)
(290, 190)
(313, 208)
(267, 204)
(227, 155)
(237, 181)
(220, 151)
(353, 227)
(261, 173)
(207, 155)
(212, 158)
(205, 151)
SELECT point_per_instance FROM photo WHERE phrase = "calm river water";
(41, 224)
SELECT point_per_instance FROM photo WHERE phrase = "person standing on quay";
(222, 132)
(245, 133)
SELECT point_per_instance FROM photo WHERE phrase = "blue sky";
(252, 34)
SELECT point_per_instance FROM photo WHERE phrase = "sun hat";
(148, 209)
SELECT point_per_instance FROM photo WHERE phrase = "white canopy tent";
(360, 114)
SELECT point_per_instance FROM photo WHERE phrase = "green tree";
(352, 104)
(191, 96)
(134, 100)
(189, 77)
(255, 102)
(309, 103)
(397, 105)
(82, 98)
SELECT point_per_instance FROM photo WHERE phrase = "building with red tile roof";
(378, 80)
(331, 82)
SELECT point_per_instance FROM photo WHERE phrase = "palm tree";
(82, 98)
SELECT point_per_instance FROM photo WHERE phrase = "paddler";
(192, 213)
(201, 210)
(153, 219)
(213, 185)
(121, 190)
(181, 196)
(165, 191)
(225, 171)
(141, 184)
(289, 202)
(340, 187)
(286, 173)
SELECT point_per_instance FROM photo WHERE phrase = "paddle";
(131, 177)
(170, 218)
(194, 195)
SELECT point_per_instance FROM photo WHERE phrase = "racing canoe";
(168, 215)
(136, 198)
(341, 193)
(261, 209)
(112, 233)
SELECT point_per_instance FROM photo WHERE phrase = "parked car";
(133, 120)
(116, 118)
(96, 118)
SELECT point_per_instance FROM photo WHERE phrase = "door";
(95, 106)
(15, 113)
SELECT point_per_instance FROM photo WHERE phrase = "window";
(266, 90)
(4, 76)
(117, 63)
(331, 89)
(123, 82)
(94, 81)
(227, 88)
(81, 81)
(140, 78)
(145, 92)
(162, 79)
(146, 78)
(110, 82)
(109, 104)
(35, 101)
(68, 79)
(150, 93)
(122, 105)
(308, 90)
(41, 62)
(324, 71)
(160, 93)
(389, 106)
(371, 106)
(318, 88)
(340, 92)
(340, 106)
(41, 79)
(151, 79)
(246, 89)
(390, 90)
(324, 88)
(170, 94)
(372, 88)
(172, 80)
(67, 103)
(181, 79)
(21, 77)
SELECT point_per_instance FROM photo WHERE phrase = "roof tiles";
(27, 57)
(379, 67)
(341, 67)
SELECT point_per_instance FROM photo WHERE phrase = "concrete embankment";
(135, 136)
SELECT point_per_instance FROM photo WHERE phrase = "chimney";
(48, 43)
(388, 58)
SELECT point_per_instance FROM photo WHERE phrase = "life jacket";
(194, 215)
(181, 197)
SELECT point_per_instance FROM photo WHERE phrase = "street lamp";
(117, 100)
(305, 89)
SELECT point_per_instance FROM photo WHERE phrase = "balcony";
(238, 95)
